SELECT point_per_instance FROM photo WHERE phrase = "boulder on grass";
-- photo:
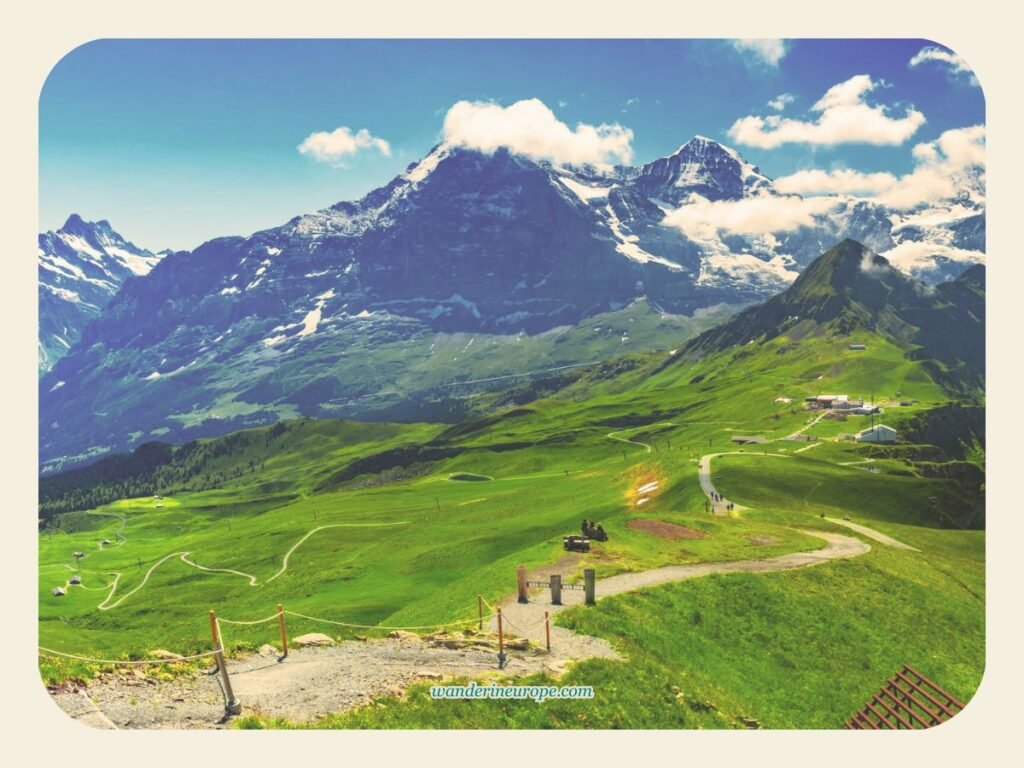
(401, 634)
(313, 638)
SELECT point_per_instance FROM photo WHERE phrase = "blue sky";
(178, 141)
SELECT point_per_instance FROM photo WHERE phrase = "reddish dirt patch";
(666, 530)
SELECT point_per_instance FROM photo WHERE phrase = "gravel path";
(873, 534)
(704, 477)
(527, 619)
(310, 683)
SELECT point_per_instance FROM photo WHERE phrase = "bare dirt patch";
(666, 530)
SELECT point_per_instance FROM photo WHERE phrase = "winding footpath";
(300, 542)
(107, 603)
(873, 534)
(527, 619)
(720, 505)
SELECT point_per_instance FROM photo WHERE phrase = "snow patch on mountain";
(627, 244)
(585, 192)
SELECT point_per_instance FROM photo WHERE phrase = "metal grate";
(907, 701)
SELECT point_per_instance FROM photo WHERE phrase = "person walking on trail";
(584, 526)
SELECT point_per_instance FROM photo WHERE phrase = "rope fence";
(271, 617)
(457, 622)
(231, 704)
(51, 652)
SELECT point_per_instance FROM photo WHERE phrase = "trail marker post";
(284, 633)
(589, 586)
(556, 589)
(480, 610)
(521, 583)
(232, 706)
(547, 631)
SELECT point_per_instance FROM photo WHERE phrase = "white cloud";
(703, 219)
(780, 102)
(843, 116)
(843, 181)
(530, 128)
(915, 257)
(869, 267)
(764, 51)
(955, 66)
(336, 146)
(940, 171)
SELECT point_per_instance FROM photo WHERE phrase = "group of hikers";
(593, 531)
(717, 497)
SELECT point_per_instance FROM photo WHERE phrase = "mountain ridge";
(82, 265)
(850, 289)
(462, 242)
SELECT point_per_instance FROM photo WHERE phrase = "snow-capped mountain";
(81, 266)
(331, 307)
(701, 167)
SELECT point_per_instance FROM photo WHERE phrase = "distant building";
(75, 580)
(847, 404)
(58, 592)
(747, 439)
(858, 346)
(864, 409)
(819, 402)
(879, 433)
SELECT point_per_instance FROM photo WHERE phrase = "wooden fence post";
(232, 706)
(501, 642)
(589, 587)
(284, 634)
(547, 631)
(480, 610)
(521, 583)
(556, 589)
